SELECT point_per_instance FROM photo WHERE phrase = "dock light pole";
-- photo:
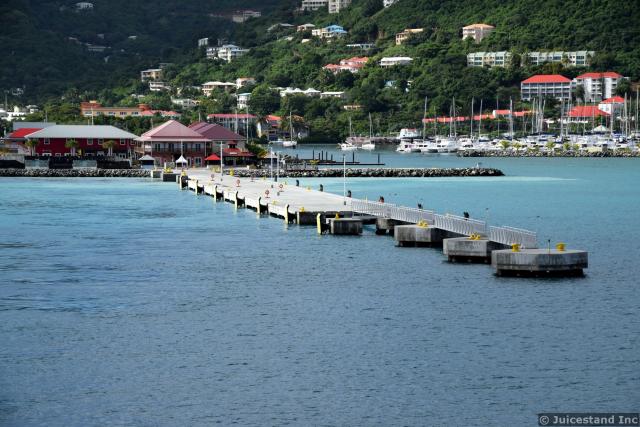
(271, 164)
(221, 163)
(277, 165)
(344, 180)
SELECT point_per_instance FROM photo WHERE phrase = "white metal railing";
(460, 225)
(511, 235)
(389, 210)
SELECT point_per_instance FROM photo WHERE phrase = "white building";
(185, 102)
(209, 87)
(395, 60)
(387, 3)
(336, 6)
(330, 32)
(488, 59)
(305, 27)
(340, 95)
(158, 86)
(212, 52)
(83, 5)
(241, 16)
(546, 85)
(243, 100)
(203, 42)
(477, 31)
(313, 4)
(613, 106)
(244, 81)
(404, 35)
(598, 86)
(296, 91)
(579, 58)
(150, 74)
(229, 52)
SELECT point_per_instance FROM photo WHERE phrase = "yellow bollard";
(337, 216)
(560, 247)
(230, 172)
(301, 209)
(515, 247)
(423, 224)
(319, 223)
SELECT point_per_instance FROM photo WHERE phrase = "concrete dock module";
(466, 249)
(415, 235)
(539, 262)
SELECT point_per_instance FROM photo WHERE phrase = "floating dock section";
(511, 251)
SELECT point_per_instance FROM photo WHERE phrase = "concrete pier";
(415, 235)
(466, 250)
(539, 262)
(345, 226)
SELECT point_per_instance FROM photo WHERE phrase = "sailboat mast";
(480, 121)
(424, 119)
(471, 118)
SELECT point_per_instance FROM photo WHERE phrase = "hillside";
(42, 42)
(393, 95)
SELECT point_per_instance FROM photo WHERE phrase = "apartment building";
(314, 4)
(488, 59)
(598, 86)
(580, 58)
(336, 6)
(546, 85)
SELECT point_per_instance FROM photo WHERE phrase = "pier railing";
(460, 225)
(391, 211)
(511, 235)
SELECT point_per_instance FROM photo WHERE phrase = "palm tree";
(108, 145)
(550, 146)
(72, 144)
(32, 144)
(505, 144)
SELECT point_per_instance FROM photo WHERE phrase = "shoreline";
(567, 154)
(259, 173)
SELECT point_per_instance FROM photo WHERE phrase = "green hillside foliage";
(46, 60)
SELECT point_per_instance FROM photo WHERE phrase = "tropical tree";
(108, 145)
(550, 146)
(71, 144)
(505, 144)
(32, 144)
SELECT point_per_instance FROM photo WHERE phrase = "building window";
(122, 113)
(46, 153)
(89, 141)
(47, 141)
(58, 154)
(156, 147)
(123, 142)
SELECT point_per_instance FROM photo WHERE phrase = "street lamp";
(221, 163)
(344, 180)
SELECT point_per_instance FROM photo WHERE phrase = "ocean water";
(128, 302)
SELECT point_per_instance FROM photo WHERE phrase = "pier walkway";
(462, 239)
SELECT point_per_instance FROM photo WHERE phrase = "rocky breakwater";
(375, 173)
(75, 173)
(533, 153)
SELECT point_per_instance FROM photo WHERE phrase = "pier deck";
(306, 206)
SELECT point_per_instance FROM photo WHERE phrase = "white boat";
(346, 146)
(447, 145)
(369, 144)
(291, 142)
(408, 133)
(405, 146)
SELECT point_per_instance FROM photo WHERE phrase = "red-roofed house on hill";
(613, 105)
(170, 140)
(598, 86)
(352, 65)
(585, 113)
(546, 85)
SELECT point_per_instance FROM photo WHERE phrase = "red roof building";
(598, 86)
(170, 140)
(218, 135)
(546, 85)
(352, 65)
(22, 134)
(583, 113)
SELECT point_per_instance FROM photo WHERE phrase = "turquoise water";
(128, 302)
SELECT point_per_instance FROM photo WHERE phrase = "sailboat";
(291, 142)
(347, 145)
(369, 144)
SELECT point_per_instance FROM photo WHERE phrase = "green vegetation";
(394, 96)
